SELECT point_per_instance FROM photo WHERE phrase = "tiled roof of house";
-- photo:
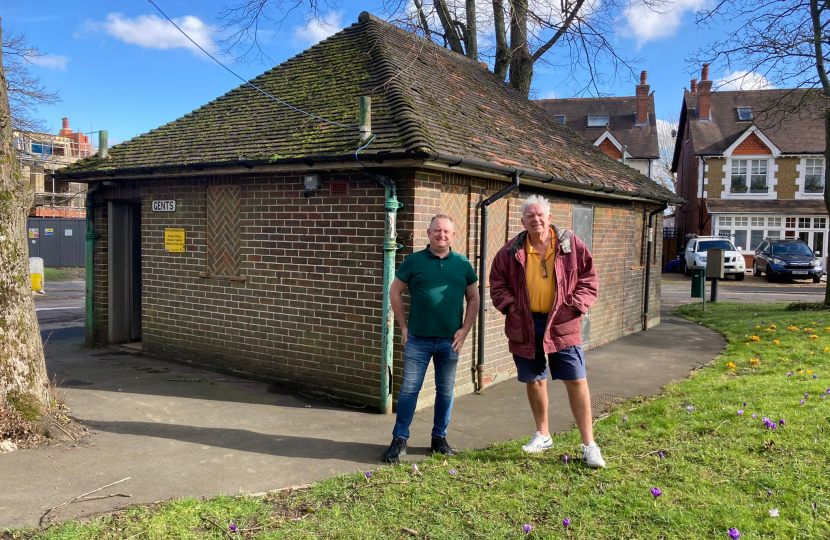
(424, 99)
(755, 206)
(791, 119)
(640, 140)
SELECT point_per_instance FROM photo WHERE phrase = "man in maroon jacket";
(544, 281)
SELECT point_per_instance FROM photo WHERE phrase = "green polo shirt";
(436, 290)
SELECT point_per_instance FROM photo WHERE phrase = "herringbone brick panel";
(455, 202)
(223, 238)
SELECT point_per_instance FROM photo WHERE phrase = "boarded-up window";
(455, 202)
(496, 230)
(223, 231)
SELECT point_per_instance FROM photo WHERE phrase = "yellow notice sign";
(174, 240)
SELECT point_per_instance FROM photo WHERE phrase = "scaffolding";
(39, 155)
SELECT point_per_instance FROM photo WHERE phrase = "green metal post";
(390, 246)
(90, 263)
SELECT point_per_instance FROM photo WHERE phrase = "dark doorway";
(124, 267)
(584, 229)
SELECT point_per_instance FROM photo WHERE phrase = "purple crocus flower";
(527, 528)
(565, 458)
(815, 376)
(802, 402)
(656, 492)
(744, 403)
(453, 472)
(781, 422)
(232, 527)
(566, 522)
(690, 408)
(754, 415)
(806, 394)
(740, 412)
(734, 534)
(625, 418)
(368, 475)
(660, 454)
(789, 374)
(769, 494)
(415, 467)
(828, 390)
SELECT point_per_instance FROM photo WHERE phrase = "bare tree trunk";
(502, 51)
(471, 32)
(423, 18)
(23, 380)
(447, 22)
(521, 62)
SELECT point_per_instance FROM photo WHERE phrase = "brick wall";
(309, 310)
(752, 146)
(787, 175)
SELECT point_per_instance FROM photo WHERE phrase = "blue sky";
(119, 66)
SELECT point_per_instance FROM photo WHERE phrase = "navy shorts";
(566, 365)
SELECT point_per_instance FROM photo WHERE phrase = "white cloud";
(645, 24)
(743, 80)
(317, 31)
(153, 32)
(550, 94)
(49, 61)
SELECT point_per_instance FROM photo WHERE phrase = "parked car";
(695, 256)
(787, 257)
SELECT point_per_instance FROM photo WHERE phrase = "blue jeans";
(417, 354)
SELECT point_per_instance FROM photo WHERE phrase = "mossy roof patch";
(424, 98)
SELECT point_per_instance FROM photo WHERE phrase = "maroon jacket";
(576, 291)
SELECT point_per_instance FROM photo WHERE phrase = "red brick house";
(625, 127)
(257, 271)
(750, 165)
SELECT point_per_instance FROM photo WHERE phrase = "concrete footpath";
(181, 432)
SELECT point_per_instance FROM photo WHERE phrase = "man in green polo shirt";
(438, 280)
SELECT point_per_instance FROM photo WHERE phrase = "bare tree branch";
(25, 90)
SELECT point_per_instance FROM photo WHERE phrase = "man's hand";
(511, 307)
(458, 339)
(404, 334)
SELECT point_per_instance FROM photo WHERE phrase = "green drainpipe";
(90, 262)
(390, 246)
(103, 150)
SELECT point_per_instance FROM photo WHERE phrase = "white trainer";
(538, 443)
(591, 455)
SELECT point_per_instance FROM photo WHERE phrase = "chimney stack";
(65, 131)
(642, 100)
(704, 89)
(694, 86)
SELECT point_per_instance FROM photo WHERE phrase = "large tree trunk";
(521, 62)
(23, 380)
(502, 50)
(448, 24)
(471, 32)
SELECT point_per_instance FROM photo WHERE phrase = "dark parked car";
(787, 257)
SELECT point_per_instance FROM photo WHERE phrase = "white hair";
(536, 199)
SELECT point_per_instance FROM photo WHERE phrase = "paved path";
(180, 432)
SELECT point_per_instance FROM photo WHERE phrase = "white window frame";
(598, 120)
(801, 180)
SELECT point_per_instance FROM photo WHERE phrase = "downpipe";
(89, 274)
(648, 261)
(390, 247)
(482, 279)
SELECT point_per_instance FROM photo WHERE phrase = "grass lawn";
(703, 443)
(62, 274)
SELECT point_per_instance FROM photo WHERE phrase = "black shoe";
(441, 446)
(395, 451)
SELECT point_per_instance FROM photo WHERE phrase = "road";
(62, 304)
(677, 291)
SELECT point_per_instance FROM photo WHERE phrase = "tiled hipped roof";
(792, 119)
(424, 99)
(640, 140)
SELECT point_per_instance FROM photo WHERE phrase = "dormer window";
(559, 118)
(595, 120)
(744, 114)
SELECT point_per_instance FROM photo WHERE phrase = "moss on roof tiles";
(424, 98)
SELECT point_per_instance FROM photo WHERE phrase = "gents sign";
(164, 206)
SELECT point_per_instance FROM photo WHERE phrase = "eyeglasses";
(544, 269)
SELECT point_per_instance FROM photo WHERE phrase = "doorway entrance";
(583, 228)
(124, 271)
